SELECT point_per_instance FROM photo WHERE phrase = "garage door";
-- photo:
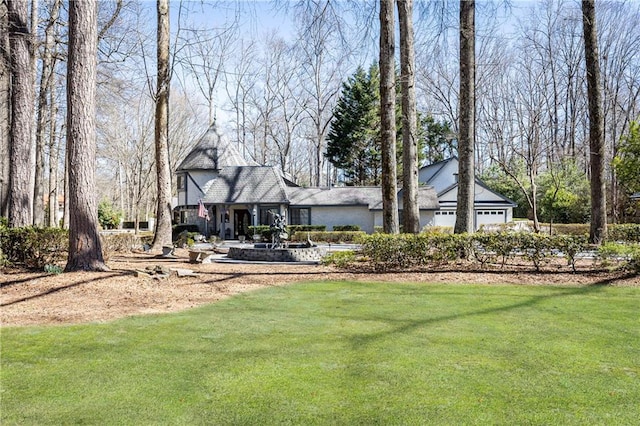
(445, 218)
(486, 217)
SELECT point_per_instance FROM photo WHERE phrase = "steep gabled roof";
(213, 152)
(431, 171)
(246, 185)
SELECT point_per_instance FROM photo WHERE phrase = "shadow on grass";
(407, 326)
(50, 291)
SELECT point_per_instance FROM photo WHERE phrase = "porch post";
(223, 222)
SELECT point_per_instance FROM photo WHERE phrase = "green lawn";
(341, 353)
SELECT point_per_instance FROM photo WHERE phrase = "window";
(300, 216)
(266, 218)
(180, 181)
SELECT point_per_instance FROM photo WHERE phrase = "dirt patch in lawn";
(29, 298)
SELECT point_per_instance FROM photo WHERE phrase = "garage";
(445, 218)
(486, 217)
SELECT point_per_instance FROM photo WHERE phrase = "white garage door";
(445, 218)
(486, 217)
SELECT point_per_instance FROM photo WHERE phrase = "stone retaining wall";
(309, 254)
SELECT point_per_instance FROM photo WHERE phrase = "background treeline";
(273, 77)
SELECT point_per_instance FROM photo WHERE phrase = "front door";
(242, 221)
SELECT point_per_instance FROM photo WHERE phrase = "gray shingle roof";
(370, 196)
(246, 185)
(337, 196)
(212, 152)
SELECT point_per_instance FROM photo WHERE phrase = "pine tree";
(353, 140)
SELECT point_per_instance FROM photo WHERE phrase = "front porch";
(228, 221)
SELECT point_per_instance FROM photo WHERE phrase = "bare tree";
(324, 53)
(162, 235)
(410, 211)
(205, 53)
(239, 89)
(598, 230)
(47, 79)
(466, 142)
(388, 118)
(85, 249)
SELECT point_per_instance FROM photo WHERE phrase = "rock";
(184, 272)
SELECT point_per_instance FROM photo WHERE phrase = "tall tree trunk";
(163, 212)
(598, 230)
(85, 248)
(20, 191)
(388, 118)
(54, 155)
(5, 107)
(410, 210)
(46, 82)
(466, 141)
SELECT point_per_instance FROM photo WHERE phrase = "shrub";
(330, 236)
(341, 259)
(33, 247)
(264, 231)
(178, 229)
(346, 228)
(119, 243)
(565, 228)
(108, 216)
(628, 232)
(293, 229)
(628, 254)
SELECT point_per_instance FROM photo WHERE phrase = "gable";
(440, 175)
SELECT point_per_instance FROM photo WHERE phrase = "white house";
(238, 193)
(489, 206)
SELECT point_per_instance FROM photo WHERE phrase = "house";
(635, 196)
(489, 206)
(236, 193)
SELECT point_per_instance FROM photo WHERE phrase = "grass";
(341, 353)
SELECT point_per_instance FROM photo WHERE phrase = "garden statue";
(278, 230)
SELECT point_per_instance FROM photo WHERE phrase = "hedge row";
(32, 247)
(330, 236)
(620, 232)
(37, 247)
(386, 251)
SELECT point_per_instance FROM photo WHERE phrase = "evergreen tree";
(354, 137)
(435, 141)
(627, 161)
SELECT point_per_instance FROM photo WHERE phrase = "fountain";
(279, 250)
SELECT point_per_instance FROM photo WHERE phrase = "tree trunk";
(46, 82)
(388, 118)
(598, 230)
(5, 107)
(54, 155)
(85, 249)
(466, 141)
(163, 212)
(20, 190)
(410, 210)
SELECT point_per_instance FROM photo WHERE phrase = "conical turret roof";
(212, 152)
